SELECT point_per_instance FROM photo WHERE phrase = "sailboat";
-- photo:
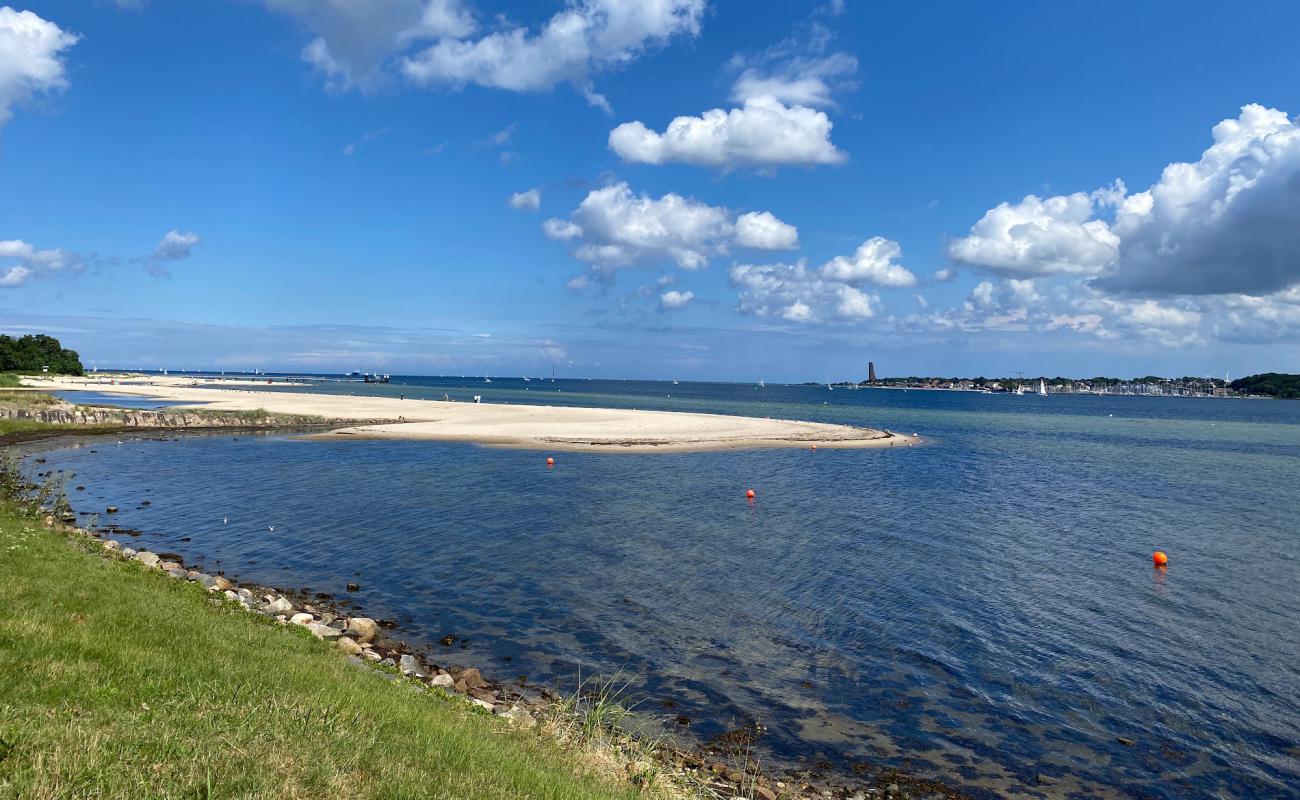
(674, 381)
(1042, 388)
(487, 380)
(761, 385)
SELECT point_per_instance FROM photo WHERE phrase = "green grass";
(26, 399)
(9, 380)
(118, 682)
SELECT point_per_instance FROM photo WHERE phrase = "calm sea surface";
(980, 609)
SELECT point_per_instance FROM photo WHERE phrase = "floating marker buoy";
(749, 494)
(550, 462)
(1159, 558)
(814, 447)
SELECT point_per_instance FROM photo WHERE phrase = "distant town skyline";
(692, 189)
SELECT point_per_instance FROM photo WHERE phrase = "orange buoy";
(550, 462)
(1159, 558)
(814, 447)
(749, 494)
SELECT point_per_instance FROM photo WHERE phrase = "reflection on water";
(981, 609)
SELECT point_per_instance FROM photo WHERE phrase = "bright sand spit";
(525, 426)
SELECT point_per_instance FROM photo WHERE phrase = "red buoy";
(1159, 558)
(550, 462)
(749, 494)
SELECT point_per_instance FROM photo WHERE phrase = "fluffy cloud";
(764, 133)
(614, 227)
(587, 35)
(761, 230)
(21, 262)
(872, 262)
(672, 300)
(354, 40)
(832, 292)
(530, 200)
(797, 294)
(175, 246)
(31, 58)
(1228, 223)
(1056, 235)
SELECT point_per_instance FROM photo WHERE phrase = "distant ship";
(374, 378)
(356, 373)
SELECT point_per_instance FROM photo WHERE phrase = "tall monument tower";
(871, 372)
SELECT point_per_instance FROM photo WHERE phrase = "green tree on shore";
(31, 353)
(1271, 384)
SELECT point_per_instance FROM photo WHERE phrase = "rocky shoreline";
(719, 768)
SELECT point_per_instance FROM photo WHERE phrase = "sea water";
(980, 609)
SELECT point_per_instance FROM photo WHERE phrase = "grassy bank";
(116, 681)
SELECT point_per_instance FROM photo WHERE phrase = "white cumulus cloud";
(175, 246)
(354, 40)
(764, 133)
(21, 262)
(673, 299)
(614, 227)
(529, 200)
(763, 231)
(836, 291)
(31, 58)
(1228, 223)
(585, 36)
(1042, 236)
(873, 262)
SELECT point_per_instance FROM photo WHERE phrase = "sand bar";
(559, 428)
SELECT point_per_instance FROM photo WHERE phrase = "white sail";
(1042, 388)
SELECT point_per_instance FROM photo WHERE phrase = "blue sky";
(475, 186)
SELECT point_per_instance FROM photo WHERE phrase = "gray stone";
(112, 544)
(301, 618)
(177, 573)
(371, 655)
(445, 682)
(247, 594)
(322, 631)
(221, 583)
(363, 628)
(168, 566)
(483, 704)
(278, 606)
(410, 666)
(518, 715)
(128, 552)
(230, 595)
(348, 646)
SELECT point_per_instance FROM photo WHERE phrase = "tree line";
(31, 353)
(1270, 384)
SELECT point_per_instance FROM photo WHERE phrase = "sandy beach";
(557, 428)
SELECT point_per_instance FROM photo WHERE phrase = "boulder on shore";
(323, 631)
(410, 666)
(363, 628)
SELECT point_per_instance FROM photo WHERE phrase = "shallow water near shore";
(981, 609)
